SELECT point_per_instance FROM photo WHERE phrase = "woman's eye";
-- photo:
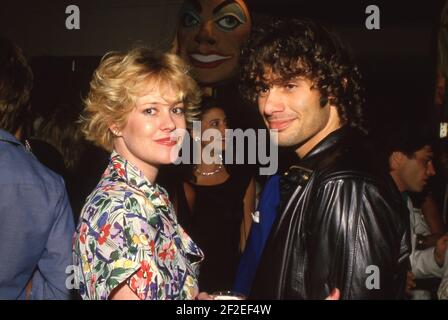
(178, 110)
(189, 20)
(290, 86)
(228, 22)
(150, 111)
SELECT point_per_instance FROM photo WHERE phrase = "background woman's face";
(214, 118)
(211, 34)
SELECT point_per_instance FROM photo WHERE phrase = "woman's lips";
(211, 60)
(280, 124)
(168, 142)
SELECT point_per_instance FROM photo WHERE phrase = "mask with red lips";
(210, 36)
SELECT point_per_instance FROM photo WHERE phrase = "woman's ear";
(115, 131)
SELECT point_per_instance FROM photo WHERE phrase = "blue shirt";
(36, 225)
(264, 218)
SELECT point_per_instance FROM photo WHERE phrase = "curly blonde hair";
(119, 80)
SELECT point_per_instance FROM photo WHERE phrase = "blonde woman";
(128, 244)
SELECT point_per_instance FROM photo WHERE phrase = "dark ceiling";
(352, 12)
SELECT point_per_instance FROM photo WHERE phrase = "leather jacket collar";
(300, 173)
(323, 147)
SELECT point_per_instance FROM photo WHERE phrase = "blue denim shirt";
(36, 225)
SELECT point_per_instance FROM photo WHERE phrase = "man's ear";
(395, 160)
(115, 130)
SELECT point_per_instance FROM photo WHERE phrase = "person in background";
(36, 222)
(215, 202)
(128, 243)
(429, 218)
(410, 158)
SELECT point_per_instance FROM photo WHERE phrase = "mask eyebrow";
(222, 5)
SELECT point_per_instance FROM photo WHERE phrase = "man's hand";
(410, 283)
(335, 294)
(440, 249)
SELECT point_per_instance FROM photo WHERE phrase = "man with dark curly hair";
(341, 222)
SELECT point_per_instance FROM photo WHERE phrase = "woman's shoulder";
(114, 198)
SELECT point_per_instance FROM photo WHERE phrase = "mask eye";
(228, 22)
(189, 20)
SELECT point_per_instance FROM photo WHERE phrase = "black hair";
(292, 48)
(16, 82)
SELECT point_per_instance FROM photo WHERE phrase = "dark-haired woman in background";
(214, 203)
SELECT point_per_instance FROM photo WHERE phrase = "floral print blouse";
(128, 232)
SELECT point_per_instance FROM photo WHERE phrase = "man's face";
(210, 36)
(293, 108)
(414, 172)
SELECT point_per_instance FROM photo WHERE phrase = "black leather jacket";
(340, 214)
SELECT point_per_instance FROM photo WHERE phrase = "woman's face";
(214, 118)
(149, 135)
(210, 36)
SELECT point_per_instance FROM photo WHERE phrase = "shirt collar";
(7, 137)
(135, 178)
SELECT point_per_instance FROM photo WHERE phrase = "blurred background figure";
(36, 223)
(53, 129)
(57, 141)
(411, 163)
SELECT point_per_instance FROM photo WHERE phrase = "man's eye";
(290, 86)
(189, 20)
(262, 90)
(228, 22)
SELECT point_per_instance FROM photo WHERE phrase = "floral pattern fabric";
(128, 232)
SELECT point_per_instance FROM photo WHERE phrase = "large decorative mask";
(210, 36)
